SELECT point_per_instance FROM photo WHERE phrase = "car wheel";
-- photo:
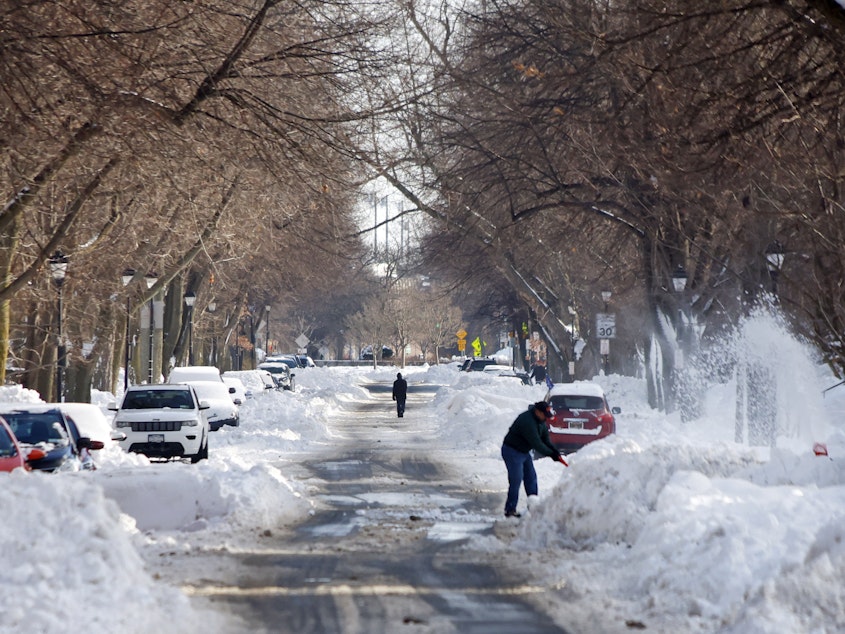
(202, 454)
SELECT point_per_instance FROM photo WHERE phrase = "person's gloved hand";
(556, 456)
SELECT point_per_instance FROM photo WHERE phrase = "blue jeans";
(520, 470)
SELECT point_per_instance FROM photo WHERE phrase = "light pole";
(190, 300)
(679, 283)
(151, 279)
(212, 306)
(126, 277)
(775, 254)
(605, 343)
(58, 270)
(572, 314)
(267, 332)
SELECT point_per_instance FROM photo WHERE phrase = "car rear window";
(570, 402)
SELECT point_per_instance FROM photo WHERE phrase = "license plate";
(576, 424)
(155, 438)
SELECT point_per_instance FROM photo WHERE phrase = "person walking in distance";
(400, 393)
(538, 372)
(527, 432)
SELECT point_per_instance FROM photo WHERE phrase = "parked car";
(183, 374)
(44, 426)
(478, 364)
(12, 455)
(256, 381)
(162, 421)
(305, 361)
(580, 415)
(89, 419)
(288, 359)
(237, 390)
(281, 373)
(507, 371)
(367, 353)
(221, 409)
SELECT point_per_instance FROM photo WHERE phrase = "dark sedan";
(47, 428)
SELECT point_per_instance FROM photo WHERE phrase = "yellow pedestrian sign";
(476, 346)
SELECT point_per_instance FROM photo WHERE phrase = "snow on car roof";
(579, 388)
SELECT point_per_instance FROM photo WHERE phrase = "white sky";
(669, 524)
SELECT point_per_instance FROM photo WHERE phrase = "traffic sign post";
(606, 330)
(606, 325)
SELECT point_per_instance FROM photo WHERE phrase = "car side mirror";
(238, 401)
(117, 436)
(292, 375)
(616, 410)
(112, 406)
(232, 390)
(91, 445)
(204, 405)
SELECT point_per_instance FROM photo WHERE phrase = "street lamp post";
(682, 390)
(151, 279)
(679, 284)
(605, 343)
(190, 300)
(58, 270)
(572, 314)
(774, 260)
(267, 332)
(126, 277)
(212, 306)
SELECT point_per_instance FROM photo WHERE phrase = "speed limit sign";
(606, 325)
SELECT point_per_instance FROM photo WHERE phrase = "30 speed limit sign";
(606, 325)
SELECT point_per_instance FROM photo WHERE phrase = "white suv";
(162, 421)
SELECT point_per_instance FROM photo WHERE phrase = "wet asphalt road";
(383, 552)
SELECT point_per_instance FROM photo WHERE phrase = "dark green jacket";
(528, 432)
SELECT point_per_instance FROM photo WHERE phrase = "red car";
(11, 455)
(580, 415)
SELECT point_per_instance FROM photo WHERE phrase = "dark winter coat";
(400, 390)
(528, 432)
(538, 373)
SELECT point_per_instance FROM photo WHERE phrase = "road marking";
(367, 590)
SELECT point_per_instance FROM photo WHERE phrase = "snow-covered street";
(667, 526)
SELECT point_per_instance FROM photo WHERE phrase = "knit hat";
(543, 406)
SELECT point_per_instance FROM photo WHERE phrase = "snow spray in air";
(770, 382)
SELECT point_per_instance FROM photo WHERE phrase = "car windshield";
(158, 399)
(32, 428)
(7, 447)
(571, 401)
